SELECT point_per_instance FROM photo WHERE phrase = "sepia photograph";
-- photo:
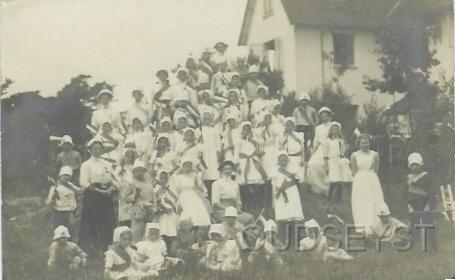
(227, 139)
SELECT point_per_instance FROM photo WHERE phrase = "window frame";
(347, 62)
(267, 8)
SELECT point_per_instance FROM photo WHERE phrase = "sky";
(124, 42)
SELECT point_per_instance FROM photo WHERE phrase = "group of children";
(189, 173)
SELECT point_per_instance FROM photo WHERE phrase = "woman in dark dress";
(97, 218)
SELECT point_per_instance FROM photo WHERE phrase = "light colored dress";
(339, 170)
(271, 141)
(191, 193)
(287, 206)
(167, 205)
(223, 257)
(317, 176)
(168, 161)
(319, 249)
(225, 191)
(250, 165)
(154, 252)
(113, 261)
(229, 139)
(294, 147)
(367, 196)
(211, 146)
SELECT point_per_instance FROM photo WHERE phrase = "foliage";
(372, 122)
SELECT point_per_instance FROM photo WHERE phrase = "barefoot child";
(62, 198)
(64, 256)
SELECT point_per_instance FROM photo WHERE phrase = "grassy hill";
(27, 234)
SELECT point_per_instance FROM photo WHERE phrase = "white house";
(312, 40)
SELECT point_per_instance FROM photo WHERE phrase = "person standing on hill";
(305, 117)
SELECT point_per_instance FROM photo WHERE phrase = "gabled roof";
(365, 14)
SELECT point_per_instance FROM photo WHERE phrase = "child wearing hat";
(221, 254)
(305, 117)
(65, 257)
(421, 193)
(122, 261)
(152, 250)
(144, 205)
(259, 105)
(69, 157)
(315, 245)
(389, 229)
(269, 246)
(62, 198)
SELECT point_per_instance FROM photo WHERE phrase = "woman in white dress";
(367, 196)
(252, 177)
(317, 168)
(294, 145)
(190, 148)
(286, 199)
(192, 194)
(141, 136)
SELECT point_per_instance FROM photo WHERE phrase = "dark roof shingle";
(342, 13)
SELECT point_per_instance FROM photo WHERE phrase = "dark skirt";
(97, 222)
(255, 198)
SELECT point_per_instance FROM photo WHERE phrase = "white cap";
(96, 139)
(311, 224)
(325, 109)
(139, 164)
(231, 116)
(383, 210)
(150, 226)
(270, 226)
(265, 88)
(245, 123)
(118, 231)
(230, 211)
(217, 228)
(253, 69)
(66, 170)
(208, 91)
(415, 158)
(304, 96)
(60, 232)
(67, 139)
(186, 159)
(335, 124)
(289, 119)
(105, 91)
(166, 119)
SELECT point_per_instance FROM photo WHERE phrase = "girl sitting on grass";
(121, 260)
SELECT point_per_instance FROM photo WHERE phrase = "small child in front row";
(337, 164)
(62, 198)
(152, 251)
(268, 247)
(316, 247)
(65, 257)
(389, 229)
(420, 195)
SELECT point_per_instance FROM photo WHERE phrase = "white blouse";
(95, 170)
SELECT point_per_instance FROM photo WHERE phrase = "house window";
(268, 10)
(343, 49)
(271, 55)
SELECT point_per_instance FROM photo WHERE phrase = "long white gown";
(293, 145)
(316, 174)
(367, 196)
(190, 199)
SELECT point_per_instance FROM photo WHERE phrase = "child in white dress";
(121, 261)
(337, 164)
(294, 145)
(166, 196)
(367, 196)
(287, 204)
(221, 254)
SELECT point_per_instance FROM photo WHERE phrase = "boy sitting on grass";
(389, 229)
(64, 256)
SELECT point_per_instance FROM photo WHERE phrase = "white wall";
(278, 27)
(444, 47)
(309, 64)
